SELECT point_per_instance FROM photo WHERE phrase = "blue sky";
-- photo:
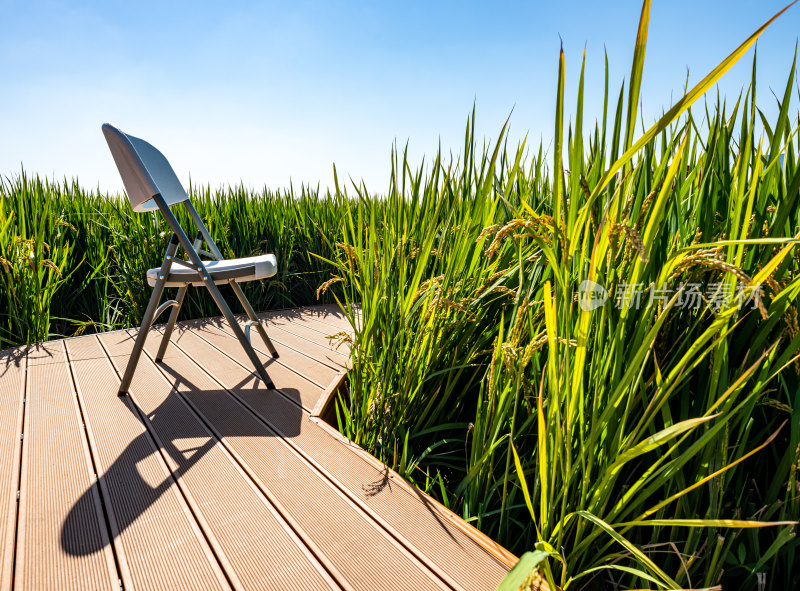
(265, 92)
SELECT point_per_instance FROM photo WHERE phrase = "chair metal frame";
(193, 251)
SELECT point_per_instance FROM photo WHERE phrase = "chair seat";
(239, 270)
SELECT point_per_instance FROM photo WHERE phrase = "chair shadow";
(130, 492)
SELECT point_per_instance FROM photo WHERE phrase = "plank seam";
(204, 323)
(218, 553)
(287, 328)
(270, 313)
(312, 309)
(305, 354)
(20, 455)
(108, 520)
(277, 360)
(418, 557)
(213, 562)
(100, 510)
(322, 561)
(500, 554)
(252, 371)
(503, 555)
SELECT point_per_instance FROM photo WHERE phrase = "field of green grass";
(596, 363)
(73, 260)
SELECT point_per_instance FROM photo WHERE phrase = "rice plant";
(73, 260)
(34, 254)
(597, 364)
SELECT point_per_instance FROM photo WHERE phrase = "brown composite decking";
(203, 479)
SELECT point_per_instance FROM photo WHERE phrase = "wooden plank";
(365, 555)
(313, 400)
(220, 483)
(288, 346)
(12, 394)
(329, 314)
(313, 329)
(463, 560)
(300, 389)
(62, 535)
(322, 408)
(256, 545)
(158, 542)
(312, 361)
(327, 337)
(318, 349)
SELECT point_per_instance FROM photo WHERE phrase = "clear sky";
(265, 92)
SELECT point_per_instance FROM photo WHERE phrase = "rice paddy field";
(588, 349)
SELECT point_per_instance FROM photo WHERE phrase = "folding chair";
(151, 184)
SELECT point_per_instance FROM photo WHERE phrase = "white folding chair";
(151, 184)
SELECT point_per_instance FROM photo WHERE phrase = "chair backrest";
(144, 170)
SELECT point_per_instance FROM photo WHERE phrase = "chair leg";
(173, 318)
(147, 320)
(239, 333)
(251, 314)
(212, 288)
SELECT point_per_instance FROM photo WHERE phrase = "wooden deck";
(203, 479)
